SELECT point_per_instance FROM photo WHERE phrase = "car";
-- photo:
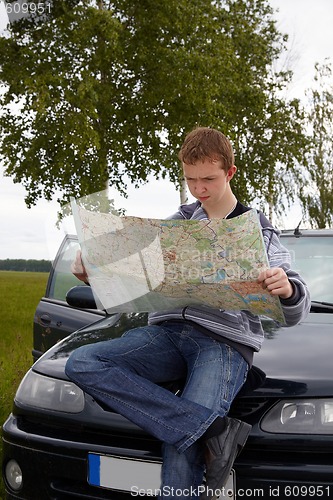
(54, 318)
(59, 443)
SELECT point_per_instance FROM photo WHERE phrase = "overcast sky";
(31, 233)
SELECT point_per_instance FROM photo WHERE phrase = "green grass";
(20, 293)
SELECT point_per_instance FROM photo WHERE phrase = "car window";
(62, 278)
(313, 258)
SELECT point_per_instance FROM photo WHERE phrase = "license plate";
(123, 474)
(229, 490)
(136, 476)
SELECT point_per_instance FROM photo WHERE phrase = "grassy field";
(20, 293)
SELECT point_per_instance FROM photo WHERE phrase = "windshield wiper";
(317, 306)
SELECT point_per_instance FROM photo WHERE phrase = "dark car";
(54, 317)
(60, 444)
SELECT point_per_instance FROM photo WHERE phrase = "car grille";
(246, 406)
(65, 490)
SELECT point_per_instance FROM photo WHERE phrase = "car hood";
(297, 360)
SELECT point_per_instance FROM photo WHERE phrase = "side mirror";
(81, 297)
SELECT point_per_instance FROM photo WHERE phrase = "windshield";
(312, 257)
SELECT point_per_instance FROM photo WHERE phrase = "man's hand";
(78, 268)
(276, 282)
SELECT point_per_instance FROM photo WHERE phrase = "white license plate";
(135, 476)
(123, 474)
(229, 490)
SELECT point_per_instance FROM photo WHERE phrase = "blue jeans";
(124, 374)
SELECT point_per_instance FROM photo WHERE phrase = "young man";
(212, 349)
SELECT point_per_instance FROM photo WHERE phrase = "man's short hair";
(207, 143)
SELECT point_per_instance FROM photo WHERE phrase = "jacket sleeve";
(297, 307)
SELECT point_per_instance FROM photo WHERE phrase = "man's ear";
(231, 172)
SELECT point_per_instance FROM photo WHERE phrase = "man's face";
(207, 181)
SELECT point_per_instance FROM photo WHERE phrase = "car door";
(54, 319)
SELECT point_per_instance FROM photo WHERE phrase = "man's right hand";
(78, 268)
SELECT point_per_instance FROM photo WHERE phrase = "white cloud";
(309, 26)
(33, 234)
(3, 16)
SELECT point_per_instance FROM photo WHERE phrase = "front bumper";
(57, 469)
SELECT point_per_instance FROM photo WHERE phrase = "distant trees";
(40, 266)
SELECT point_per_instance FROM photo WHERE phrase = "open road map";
(136, 264)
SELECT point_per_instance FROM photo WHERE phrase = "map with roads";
(141, 264)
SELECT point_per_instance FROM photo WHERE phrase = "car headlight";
(50, 393)
(300, 416)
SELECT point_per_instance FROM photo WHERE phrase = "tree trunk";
(183, 192)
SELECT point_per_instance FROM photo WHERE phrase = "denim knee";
(77, 362)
